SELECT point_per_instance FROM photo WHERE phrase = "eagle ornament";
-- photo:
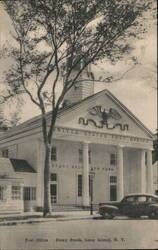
(104, 114)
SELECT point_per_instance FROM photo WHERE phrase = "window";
(54, 154)
(130, 199)
(5, 153)
(29, 193)
(152, 199)
(141, 198)
(113, 159)
(80, 155)
(53, 193)
(16, 192)
(113, 193)
(79, 185)
(113, 188)
(91, 185)
(1, 193)
(146, 158)
(53, 177)
(113, 179)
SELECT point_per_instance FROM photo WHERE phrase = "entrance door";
(79, 191)
(113, 188)
(53, 193)
(113, 192)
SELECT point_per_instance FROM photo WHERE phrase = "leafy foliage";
(60, 38)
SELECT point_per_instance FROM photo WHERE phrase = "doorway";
(53, 193)
(113, 188)
(113, 193)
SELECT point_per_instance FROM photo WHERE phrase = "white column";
(142, 172)
(85, 175)
(120, 182)
(40, 173)
(150, 188)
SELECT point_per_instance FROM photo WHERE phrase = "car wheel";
(153, 215)
(108, 215)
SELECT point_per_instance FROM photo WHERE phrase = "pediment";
(105, 113)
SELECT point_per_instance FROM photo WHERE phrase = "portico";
(133, 161)
(145, 172)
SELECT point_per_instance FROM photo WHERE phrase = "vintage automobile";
(132, 205)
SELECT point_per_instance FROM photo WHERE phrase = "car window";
(152, 199)
(130, 199)
(141, 198)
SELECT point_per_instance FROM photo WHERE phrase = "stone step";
(72, 208)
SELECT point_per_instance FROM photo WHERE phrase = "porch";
(111, 170)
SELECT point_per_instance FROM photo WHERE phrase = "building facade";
(96, 141)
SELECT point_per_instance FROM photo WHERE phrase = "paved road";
(82, 234)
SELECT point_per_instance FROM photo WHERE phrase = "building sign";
(106, 116)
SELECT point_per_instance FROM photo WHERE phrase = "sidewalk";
(36, 217)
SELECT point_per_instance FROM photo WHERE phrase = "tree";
(60, 38)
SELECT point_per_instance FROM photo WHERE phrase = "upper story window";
(80, 156)
(89, 157)
(53, 177)
(146, 158)
(5, 153)
(113, 159)
(54, 154)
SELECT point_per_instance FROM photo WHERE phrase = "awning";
(9, 167)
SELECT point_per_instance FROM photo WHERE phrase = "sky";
(136, 90)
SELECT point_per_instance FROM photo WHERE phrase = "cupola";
(83, 88)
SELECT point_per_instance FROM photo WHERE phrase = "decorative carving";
(86, 122)
(105, 115)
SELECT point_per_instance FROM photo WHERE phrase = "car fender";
(108, 208)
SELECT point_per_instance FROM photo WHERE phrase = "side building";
(95, 140)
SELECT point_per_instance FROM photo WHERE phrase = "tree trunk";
(47, 209)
